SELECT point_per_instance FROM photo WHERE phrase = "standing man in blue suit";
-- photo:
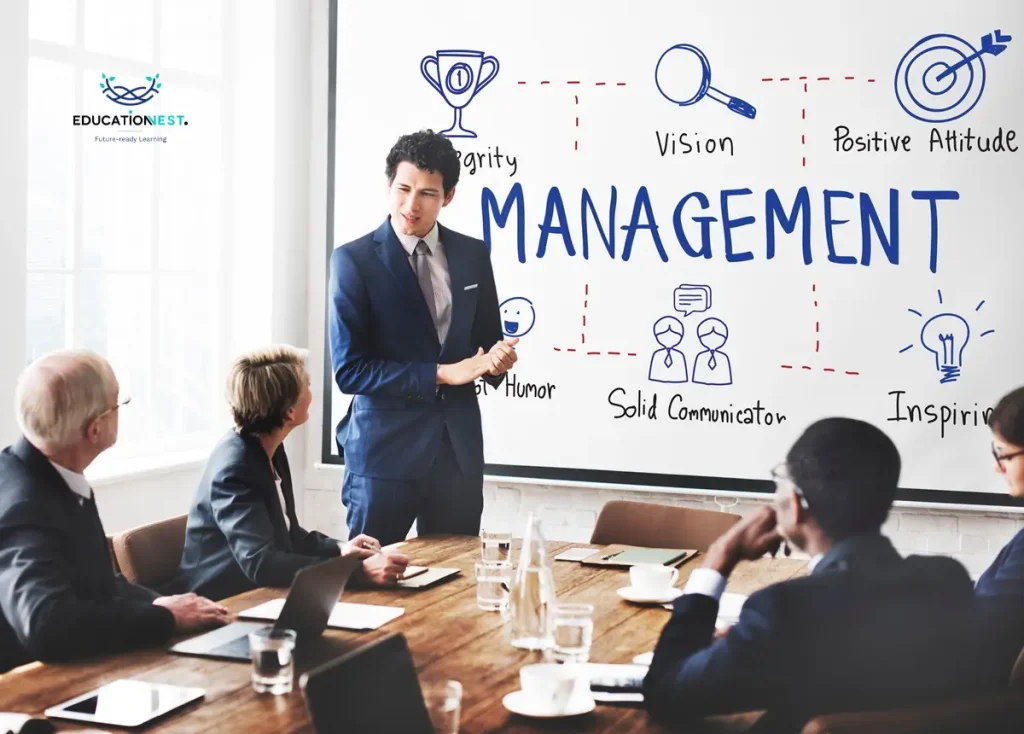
(414, 322)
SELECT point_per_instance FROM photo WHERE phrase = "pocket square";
(470, 287)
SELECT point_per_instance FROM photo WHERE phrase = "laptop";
(373, 688)
(311, 599)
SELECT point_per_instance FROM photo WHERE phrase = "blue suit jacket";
(867, 629)
(385, 352)
(1005, 577)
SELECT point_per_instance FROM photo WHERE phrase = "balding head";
(60, 395)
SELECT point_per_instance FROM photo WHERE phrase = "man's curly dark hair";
(428, 151)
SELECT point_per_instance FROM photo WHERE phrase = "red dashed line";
(803, 110)
(576, 100)
(817, 324)
(871, 81)
(583, 334)
(808, 368)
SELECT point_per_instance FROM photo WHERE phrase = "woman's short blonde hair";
(263, 385)
(59, 394)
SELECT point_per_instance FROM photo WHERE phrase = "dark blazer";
(385, 351)
(867, 629)
(236, 538)
(1005, 577)
(59, 596)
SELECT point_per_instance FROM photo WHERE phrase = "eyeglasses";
(781, 477)
(1004, 457)
(122, 399)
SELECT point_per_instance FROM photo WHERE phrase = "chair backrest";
(149, 554)
(374, 688)
(649, 525)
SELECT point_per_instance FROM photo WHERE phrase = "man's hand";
(192, 612)
(747, 540)
(362, 545)
(503, 356)
(466, 371)
(385, 567)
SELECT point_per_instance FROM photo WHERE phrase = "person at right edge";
(866, 629)
(414, 322)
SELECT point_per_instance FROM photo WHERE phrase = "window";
(146, 252)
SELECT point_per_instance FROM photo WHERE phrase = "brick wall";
(569, 513)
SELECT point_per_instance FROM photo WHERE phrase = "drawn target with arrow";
(942, 77)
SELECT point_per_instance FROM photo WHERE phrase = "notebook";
(424, 579)
(624, 556)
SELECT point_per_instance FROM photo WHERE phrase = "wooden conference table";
(449, 636)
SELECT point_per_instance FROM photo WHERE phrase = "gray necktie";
(421, 266)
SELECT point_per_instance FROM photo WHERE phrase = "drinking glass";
(273, 663)
(444, 704)
(496, 546)
(492, 584)
(573, 633)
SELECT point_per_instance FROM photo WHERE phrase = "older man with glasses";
(865, 629)
(59, 596)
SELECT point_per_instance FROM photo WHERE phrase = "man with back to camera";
(414, 322)
(866, 629)
(59, 596)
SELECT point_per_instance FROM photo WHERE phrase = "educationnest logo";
(130, 95)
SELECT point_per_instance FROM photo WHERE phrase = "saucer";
(517, 703)
(630, 594)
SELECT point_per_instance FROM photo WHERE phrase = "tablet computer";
(125, 703)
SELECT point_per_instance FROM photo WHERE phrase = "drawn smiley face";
(517, 316)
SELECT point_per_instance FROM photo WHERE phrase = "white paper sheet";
(346, 616)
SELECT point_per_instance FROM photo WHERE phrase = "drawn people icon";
(712, 366)
(668, 364)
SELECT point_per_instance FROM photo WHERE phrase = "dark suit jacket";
(867, 629)
(385, 351)
(236, 538)
(59, 596)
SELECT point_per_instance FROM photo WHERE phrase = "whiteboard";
(714, 223)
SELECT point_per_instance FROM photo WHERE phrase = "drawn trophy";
(457, 78)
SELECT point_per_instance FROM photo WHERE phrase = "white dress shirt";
(75, 481)
(439, 276)
(709, 582)
(284, 506)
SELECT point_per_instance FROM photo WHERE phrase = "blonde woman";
(242, 530)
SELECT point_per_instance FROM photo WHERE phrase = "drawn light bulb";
(945, 336)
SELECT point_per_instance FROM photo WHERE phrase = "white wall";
(13, 169)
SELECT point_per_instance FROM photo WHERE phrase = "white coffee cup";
(652, 579)
(550, 687)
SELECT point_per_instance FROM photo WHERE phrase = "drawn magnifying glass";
(683, 76)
